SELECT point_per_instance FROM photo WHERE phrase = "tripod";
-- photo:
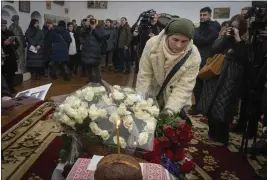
(251, 103)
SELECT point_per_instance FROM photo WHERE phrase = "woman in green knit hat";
(169, 66)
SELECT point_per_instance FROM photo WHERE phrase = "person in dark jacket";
(5, 92)
(124, 39)
(107, 58)
(60, 50)
(92, 38)
(9, 47)
(204, 37)
(35, 56)
(220, 94)
(47, 29)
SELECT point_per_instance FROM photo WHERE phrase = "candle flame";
(118, 123)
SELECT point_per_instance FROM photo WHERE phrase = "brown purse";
(212, 67)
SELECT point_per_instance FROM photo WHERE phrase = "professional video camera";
(259, 11)
(147, 18)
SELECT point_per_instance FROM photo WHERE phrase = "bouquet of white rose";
(95, 110)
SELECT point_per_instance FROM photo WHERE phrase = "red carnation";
(179, 154)
(165, 142)
(169, 154)
(187, 166)
(169, 132)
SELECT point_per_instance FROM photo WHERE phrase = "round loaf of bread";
(126, 168)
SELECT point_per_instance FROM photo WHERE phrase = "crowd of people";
(169, 65)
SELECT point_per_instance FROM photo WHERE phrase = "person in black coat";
(92, 37)
(47, 29)
(204, 37)
(220, 94)
(9, 46)
(60, 50)
(35, 40)
(5, 92)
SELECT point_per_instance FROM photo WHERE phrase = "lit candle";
(118, 138)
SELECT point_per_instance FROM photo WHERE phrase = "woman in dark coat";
(9, 47)
(220, 94)
(47, 29)
(60, 50)
(92, 38)
(35, 39)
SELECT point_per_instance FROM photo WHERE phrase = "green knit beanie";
(180, 26)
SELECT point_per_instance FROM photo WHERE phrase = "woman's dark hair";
(109, 20)
(69, 24)
(62, 23)
(33, 21)
(224, 23)
(242, 24)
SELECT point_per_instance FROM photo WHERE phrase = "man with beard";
(205, 35)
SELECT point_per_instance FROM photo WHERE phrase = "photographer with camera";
(220, 94)
(92, 37)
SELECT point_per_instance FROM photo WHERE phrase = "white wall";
(131, 10)
(39, 6)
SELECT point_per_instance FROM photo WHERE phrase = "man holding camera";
(91, 39)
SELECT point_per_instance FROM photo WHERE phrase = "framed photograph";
(48, 4)
(25, 6)
(66, 10)
(221, 13)
(61, 3)
(97, 4)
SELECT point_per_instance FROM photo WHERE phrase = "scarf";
(171, 57)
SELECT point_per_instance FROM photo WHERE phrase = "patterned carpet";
(31, 148)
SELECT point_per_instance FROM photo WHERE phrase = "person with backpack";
(92, 37)
(61, 40)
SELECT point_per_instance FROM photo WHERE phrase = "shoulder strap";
(62, 39)
(172, 72)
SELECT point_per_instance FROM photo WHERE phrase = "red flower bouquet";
(172, 135)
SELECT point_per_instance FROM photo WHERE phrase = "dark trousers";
(93, 73)
(9, 77)
(123, 60)
(62, 66)
(73, 63)
(198, 89)
(264, 107)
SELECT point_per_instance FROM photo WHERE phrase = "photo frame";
(48, 4)
(25, 6)
(221, 13)
(97, 4)
(61, 3)
(66, 10)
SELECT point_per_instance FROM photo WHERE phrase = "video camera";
(259, 11)
(147, 18)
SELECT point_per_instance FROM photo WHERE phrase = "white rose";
(93, 112)
(69, 111)
(131, 99)
(82, 111)
(102, 89)
(114, 118)
(102, 113)
(128, 90)
(122, 141)
(89, 96)
(95, 129)
(105, 135)
(122, 110)
(136, 108)
(118, 95)
(107, 100)
(154, 110)
(128, 122)
(143, 104)
(78, 93)
(117, 87)
(142, 115)
(143, 138)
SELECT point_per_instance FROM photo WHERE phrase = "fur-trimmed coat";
(151, 76)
